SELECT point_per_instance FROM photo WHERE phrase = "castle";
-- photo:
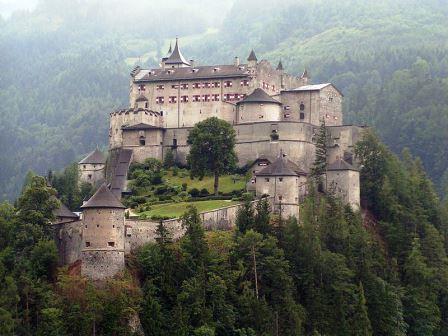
(276, 117)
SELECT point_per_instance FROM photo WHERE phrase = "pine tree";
(245, 216)
(320, 162)
(262, 217)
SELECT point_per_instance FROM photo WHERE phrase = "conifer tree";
(262, 217)
(320, 162)
(245, 216)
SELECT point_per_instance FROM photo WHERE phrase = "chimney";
(236, 61)
(192, 63)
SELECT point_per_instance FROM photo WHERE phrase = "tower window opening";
(302, 107)
(302, 115)
(111, 244)
(87, 244)
(142, 141)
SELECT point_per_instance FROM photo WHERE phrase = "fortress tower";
(102, 247)
(91, 168)
(285, 182)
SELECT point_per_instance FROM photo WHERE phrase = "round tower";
(102, 251)
(258, 107)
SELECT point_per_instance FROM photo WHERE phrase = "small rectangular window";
(87, 244)
(266, 179)
(302, 115)
(280, 179)
(111, 244)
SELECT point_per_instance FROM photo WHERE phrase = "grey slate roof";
(258, 96)
(64, 212)
(95, 157)
(252, 56)
(341, 165)
(120, 171)
(140, 126)
(197, 72)
(141, 98)
(282, 166)
(103, 198)
(176, 56)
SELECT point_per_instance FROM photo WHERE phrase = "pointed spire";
(170, 50)
(252, 56)
(280, 65)
(176, 56)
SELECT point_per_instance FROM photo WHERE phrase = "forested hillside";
(335, 272)
(64, 67)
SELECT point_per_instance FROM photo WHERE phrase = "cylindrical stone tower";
(102, 251)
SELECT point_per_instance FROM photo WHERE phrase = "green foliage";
(212, 143)
(320, 161)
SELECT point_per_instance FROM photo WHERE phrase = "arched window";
(302, 107)
(142, 140)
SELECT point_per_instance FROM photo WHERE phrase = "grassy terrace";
(173, 210)
(227, 183)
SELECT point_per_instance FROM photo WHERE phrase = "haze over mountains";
(64, 67)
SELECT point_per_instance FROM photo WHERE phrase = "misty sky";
(9, 6)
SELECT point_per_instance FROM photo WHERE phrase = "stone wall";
(68, 238)
(101, 264)
(140, 232)
(152, 147)
(342, 140)
(253, 140)
(345, 184)
(256, 112)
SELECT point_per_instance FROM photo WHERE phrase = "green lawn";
(174, 210)
(226, 182)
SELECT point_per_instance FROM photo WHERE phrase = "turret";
(258, 107)
(281, 71)
(162, 63)
(102, 249)
(305, 77)
(285, 182)
(252, 59)
(91, 168)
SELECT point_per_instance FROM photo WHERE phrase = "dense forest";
(335, 272)
(64, 67)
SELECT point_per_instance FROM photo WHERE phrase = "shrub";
(184, 187)
(175, 171)
(203, 192)
(194, 192)
(168, 161)
(156, 178)
(160, 190)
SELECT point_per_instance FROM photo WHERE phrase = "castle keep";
(276, 117)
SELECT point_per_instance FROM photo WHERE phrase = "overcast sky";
(9, 6)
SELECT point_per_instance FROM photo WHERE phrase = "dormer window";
(215, 69)
(170, 72)
(240, 67)
(195, 70)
